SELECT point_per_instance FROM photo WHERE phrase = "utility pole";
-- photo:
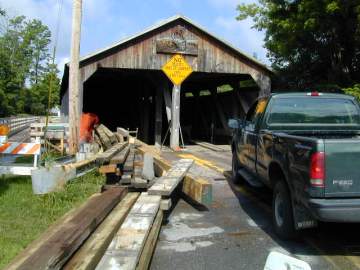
(74, 78)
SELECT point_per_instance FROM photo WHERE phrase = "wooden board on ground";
(110, 168)
(120, 157)
(150, 244)
(166, 184)
(110, 153)
(210, 146)
(126, 247)
(196, 188)
(89, 255)
(60, 245)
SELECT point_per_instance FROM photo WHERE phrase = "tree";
(25, 68)
(310, 42)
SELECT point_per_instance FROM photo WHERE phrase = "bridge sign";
(177, 69)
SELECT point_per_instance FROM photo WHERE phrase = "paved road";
(21, 136)
(235, 232)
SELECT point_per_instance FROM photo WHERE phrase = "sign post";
(177, 70)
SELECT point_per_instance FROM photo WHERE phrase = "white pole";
(175, 118)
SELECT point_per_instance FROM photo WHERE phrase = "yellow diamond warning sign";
(177, 69)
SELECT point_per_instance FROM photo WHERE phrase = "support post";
(237, 97)
(74, 78)
(158, 114)
(175, 118)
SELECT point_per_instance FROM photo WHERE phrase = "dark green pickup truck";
(306, 148)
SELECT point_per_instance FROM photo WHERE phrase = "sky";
(105, 22)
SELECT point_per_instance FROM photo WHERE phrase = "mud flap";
(302, 217)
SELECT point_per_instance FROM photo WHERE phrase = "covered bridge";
(125, 86)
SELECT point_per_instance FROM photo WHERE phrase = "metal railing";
(17, 124)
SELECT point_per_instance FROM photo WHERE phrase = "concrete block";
(148, 171)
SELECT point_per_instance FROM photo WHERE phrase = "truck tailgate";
(342, 163)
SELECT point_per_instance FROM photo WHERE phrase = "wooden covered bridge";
(125, 86)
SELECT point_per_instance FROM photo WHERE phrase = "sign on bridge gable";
(177, 69)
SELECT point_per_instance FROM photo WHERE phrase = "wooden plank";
(120, 157)
(89, 255)
(166, 184)
(149, 247)
(44, 237)
(105, 141)
(60, 245)
(129, 163)
(109, 134)
(196, 188)
(127, 245)
(110, 153)
(110, 168)
(210, 146)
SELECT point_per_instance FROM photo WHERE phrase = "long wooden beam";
(89, 255)
(126, 247)
(59, 244)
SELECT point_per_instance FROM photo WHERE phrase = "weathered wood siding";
(213, 56)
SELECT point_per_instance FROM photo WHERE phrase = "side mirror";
(235, 123)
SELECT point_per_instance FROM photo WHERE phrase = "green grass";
(24, 216)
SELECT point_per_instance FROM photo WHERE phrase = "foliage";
(354, 91)
(309, 42)
(24, 216)
(25, 67)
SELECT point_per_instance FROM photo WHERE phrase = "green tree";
(310, 42)
(25, 69)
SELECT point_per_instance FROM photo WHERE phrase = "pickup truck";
(306, 148)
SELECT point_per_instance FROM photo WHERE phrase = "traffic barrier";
(16, 148)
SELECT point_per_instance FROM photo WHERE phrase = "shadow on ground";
(329, 239)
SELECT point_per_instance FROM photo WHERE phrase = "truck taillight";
(317, 169)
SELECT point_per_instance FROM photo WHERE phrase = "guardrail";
(17, 124)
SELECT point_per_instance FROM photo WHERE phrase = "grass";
(24, 216)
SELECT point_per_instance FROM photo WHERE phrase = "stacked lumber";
(53, 249)
(194, 187)
(125, 168)
(106, 138)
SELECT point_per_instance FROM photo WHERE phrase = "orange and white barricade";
(16, 148)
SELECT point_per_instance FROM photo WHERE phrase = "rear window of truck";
(310, 110)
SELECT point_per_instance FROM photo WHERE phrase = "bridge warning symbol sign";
(177, 69)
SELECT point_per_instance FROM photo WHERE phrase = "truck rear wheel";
(236, 177)
(282, 213)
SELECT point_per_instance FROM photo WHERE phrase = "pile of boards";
(121, 162)
(117, 228)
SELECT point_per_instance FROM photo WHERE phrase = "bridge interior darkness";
(131, 98)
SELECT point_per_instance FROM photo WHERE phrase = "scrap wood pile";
(121, 162)
(118, 228)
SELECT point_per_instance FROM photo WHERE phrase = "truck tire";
(282, 212)
(236, 177)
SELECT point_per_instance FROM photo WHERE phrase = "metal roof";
(165, 22)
